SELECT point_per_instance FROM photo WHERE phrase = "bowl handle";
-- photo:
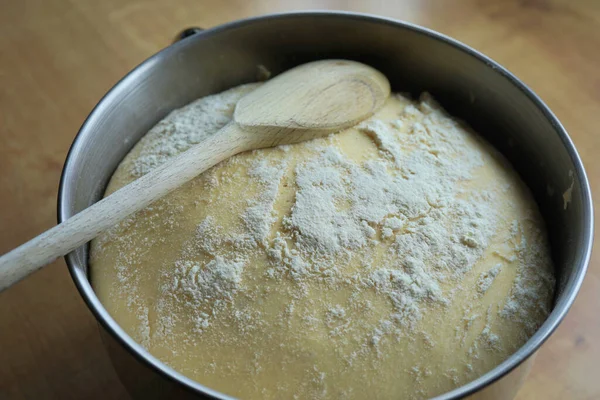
(187, 32)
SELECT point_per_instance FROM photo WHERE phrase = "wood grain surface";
(58, 57)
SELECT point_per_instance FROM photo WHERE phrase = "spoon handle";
(89, 223)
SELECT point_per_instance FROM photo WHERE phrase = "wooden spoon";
(304, 103)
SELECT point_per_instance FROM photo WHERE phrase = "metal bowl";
(468, 84)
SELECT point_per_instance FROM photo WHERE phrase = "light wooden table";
(58, 57)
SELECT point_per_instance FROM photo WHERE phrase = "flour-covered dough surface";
(399, 259)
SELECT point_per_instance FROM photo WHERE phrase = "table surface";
(58, 57)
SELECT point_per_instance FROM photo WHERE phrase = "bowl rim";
(558, 313)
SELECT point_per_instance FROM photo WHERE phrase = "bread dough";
(398, 259)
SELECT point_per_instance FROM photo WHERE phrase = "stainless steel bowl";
(468, 84)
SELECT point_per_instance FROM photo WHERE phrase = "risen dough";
(400, 259)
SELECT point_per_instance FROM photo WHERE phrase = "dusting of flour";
(404, 228)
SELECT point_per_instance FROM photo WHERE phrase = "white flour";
(183, 128)
(402, 226)
(487, 278)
